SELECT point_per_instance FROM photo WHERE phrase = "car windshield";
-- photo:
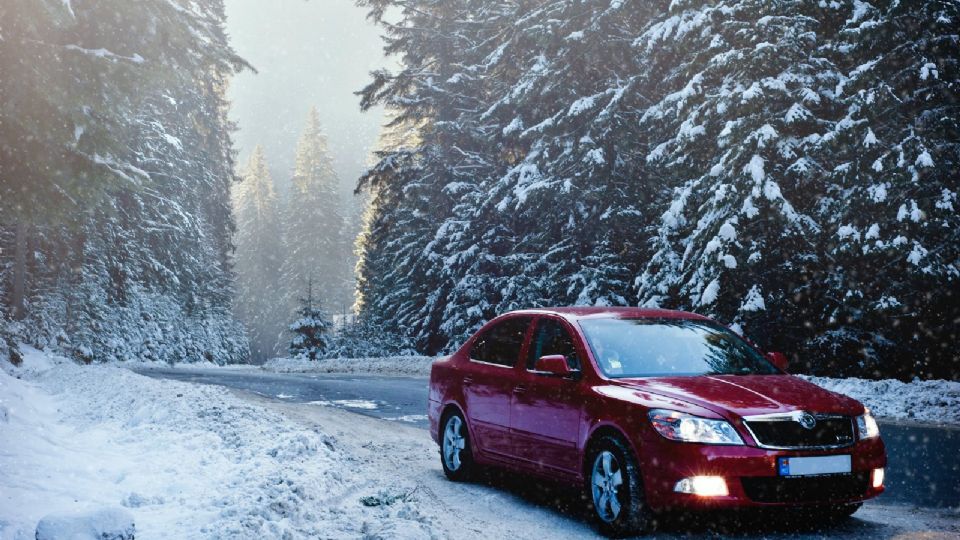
(670, 347)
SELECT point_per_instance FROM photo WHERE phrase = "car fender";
(625, 410)
(440, 392)
(458, 405)
(633, 442)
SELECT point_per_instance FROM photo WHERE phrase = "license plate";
(807, 466)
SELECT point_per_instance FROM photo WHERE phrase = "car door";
(489, 382)
(545, 410)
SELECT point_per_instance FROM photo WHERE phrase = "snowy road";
(392, 398)
(923, 470)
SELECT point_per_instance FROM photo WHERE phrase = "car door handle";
(519, 389)
(467, 381)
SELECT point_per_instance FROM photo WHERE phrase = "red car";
(650, 410)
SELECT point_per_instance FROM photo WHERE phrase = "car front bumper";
(751, 475)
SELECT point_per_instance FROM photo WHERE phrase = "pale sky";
(307, 52)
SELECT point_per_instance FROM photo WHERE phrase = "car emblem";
(807, 420)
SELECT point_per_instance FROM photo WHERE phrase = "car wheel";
(456, 454)
(615, 489)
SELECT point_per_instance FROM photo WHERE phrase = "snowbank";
(198, 366)
(411, 366)
(185, 461)
(925, 401)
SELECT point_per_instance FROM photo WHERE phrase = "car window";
(671, 347)
(552, 338)
(501, 344)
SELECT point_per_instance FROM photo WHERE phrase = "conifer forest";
(789, 168)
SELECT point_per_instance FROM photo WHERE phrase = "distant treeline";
(115, 170)
(790, 168)
(298, 247)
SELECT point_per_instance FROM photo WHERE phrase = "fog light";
(878, 477)
(705, 486)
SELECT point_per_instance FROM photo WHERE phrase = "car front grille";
(800, 489)
(829, 432)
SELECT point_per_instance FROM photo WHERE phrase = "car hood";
(746, 395)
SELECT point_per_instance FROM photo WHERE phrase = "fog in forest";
(306, 53)
(307, 56)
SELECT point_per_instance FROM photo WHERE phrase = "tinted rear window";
(501, 344)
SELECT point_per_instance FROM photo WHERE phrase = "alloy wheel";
(606, 479)
(453, 443)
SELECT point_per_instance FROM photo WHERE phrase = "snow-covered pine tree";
(415, 187)
(589, 150)
(369, 333)
(259, 257)
(551, 224)
(739, 119)
(891, 227)
(54, 154)
(394, 137)
(310, 329)
(474, 251)
(130, 160)
(313, 225)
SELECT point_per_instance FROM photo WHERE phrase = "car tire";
(456, 452)
(614, 489)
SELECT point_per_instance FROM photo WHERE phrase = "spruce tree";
(259, 257)
(310, 329)
(554, 223)
(416, 187)
(891, 231)
(740, 121)
(313, 224)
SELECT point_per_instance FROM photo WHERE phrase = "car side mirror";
(553, 364)
(778, 359)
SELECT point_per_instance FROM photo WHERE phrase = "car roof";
(609, 312)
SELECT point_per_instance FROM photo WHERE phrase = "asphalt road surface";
(923, 468)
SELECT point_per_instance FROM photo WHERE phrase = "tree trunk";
(20, 272)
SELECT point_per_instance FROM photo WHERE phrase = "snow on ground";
(936, 401)
(186, 461)
(516, 506)
(411, 366)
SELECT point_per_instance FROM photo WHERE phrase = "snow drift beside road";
(186, 461)
(935, 401)
(410, 366)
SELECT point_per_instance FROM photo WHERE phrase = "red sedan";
(650, 410)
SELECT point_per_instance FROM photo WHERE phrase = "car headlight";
(866, 426)
(678, 426)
